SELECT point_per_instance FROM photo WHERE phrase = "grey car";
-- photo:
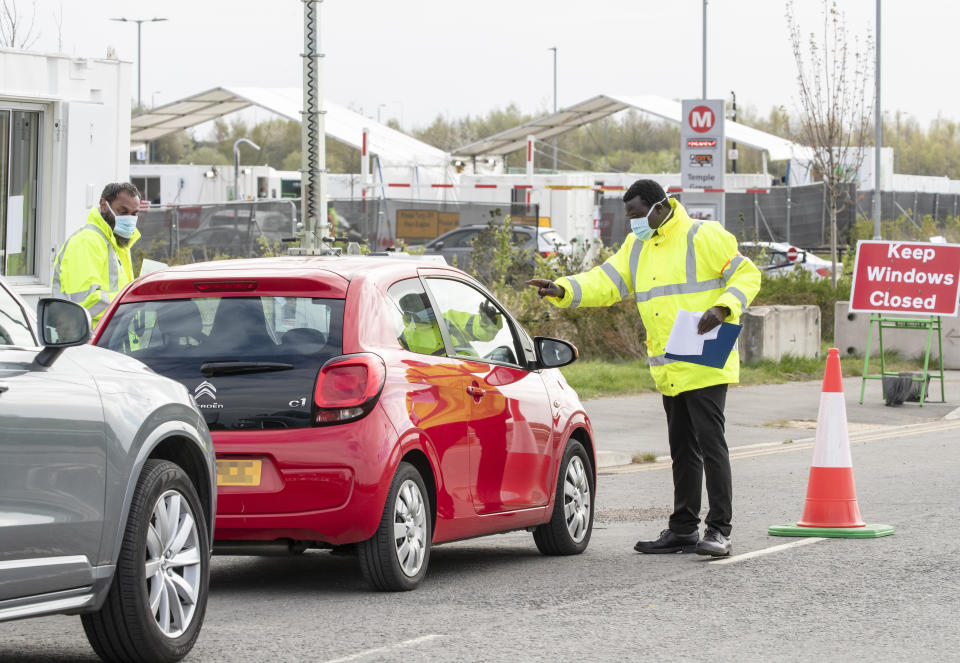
(107, 488)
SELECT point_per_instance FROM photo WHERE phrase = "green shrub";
(799, 287)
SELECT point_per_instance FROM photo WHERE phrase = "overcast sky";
(426, 57)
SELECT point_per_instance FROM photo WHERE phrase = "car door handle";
(4, 387)
(476, 392)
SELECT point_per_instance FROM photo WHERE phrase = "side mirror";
(553, 353)
(63, 324)
(437, 246)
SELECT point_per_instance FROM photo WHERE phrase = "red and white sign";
(701, 119)
(792, 254)
(906, 277)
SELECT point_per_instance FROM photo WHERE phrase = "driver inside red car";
(421, 333)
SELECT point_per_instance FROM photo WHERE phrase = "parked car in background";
(457, 245)
(107, 488)
(778, 258)
(391, 404)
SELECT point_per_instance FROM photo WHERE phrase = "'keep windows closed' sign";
(906, 277)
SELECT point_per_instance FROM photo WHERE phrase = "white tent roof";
(393, 147)
(603, 105)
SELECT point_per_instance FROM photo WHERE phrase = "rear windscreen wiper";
(212, 368)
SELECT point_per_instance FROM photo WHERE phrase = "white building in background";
(64, 134)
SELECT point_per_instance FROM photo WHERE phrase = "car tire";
(571, 523)
(158, 560)
(393, 563)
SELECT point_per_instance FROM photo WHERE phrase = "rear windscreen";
(249, 362)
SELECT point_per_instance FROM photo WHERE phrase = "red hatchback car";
(387, 403)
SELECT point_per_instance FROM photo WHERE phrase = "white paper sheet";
(684, 339)
(14, 225)
(149, 266)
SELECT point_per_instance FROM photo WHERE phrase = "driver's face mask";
(421, 317)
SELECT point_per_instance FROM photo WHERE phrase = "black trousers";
(695, 425)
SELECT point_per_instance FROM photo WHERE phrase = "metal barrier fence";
(796, 215)
(245, 229)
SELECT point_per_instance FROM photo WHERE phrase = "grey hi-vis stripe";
(659, 360)
(738, 293)
(691, 253)
(635, 260)
(734, 263)
(618, 281)
(576, 293)
(80, 297)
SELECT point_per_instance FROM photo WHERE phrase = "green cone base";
(866, 532)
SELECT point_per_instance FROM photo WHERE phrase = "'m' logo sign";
(701, 119)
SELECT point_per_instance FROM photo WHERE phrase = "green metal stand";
(931, 325)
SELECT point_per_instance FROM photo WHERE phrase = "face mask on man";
(641, 226)
(123, 224)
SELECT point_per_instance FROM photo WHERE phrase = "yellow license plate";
(236, 472)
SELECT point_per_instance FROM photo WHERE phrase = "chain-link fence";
(913, 206)
(245, 229)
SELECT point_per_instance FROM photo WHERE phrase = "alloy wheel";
(173, 563)
(410, 528)
(576, 499)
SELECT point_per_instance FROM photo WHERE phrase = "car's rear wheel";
(156, 604)
(395, 559)
(571, 524)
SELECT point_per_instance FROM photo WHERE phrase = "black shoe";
(669, 542)
(714, 544)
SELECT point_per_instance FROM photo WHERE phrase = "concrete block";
(771, 332)
(850, 335)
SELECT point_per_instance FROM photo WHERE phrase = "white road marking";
(955, 414)
(384, 650)
(766, 551)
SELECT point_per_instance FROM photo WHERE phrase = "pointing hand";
(546, 287)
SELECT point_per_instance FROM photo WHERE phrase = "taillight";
(824, 271)
(347, 388)
(225, 286)
(548, 254)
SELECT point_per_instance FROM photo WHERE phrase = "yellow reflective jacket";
(463, 328)
(688, 264)
(91, 268)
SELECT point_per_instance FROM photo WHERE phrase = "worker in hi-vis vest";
(670, 262)
(94, 264)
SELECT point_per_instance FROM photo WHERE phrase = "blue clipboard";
(715, 351)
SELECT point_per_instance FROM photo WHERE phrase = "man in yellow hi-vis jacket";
(94, 264)
(667, 263)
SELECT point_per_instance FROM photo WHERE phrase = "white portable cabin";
(64, 134)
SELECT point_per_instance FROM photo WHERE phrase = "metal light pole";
(703, 94)
(734, 160)
(877, 136)
(236, 164)
(139, 22)
(554, 49)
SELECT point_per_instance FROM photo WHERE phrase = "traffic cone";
(831, 508)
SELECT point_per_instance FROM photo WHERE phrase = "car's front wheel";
(156, 604)
(395, 559)
(568, 531)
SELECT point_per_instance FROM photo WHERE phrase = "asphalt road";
(497, 599)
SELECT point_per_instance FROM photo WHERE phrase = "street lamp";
(554, 49)
(139, 22)
(236, 164)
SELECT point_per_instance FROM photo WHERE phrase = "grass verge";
(593, 379)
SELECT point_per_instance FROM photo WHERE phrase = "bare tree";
(834, 72)
(14, 30)
(58, 21)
